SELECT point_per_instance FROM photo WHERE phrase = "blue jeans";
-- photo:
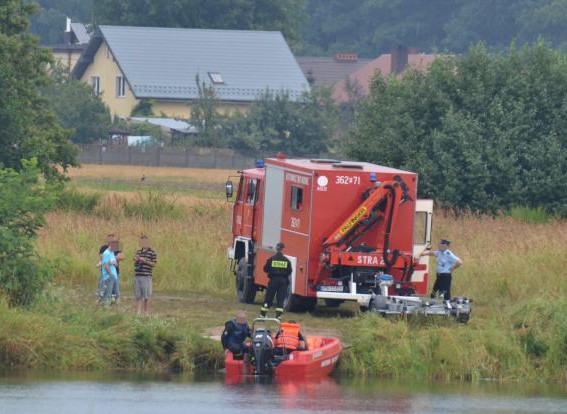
(116, 288)
(107, 285)
(100, 287)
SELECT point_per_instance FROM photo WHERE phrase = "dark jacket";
(278, 265)
(235, 333)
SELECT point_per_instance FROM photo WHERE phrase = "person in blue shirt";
(447, 262)
(109, 273)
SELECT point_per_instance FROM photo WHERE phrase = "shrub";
(74, 200)
(538, 215)
(153, 206)
(23, 273)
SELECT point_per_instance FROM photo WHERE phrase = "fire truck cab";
(347, 226)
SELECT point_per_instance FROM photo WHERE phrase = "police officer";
(278, 268)
(447, 262)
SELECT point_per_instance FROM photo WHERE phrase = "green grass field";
(513, 270)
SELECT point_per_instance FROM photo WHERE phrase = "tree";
(28, 126)
(371, 27)
(277, 123)
(204, 115)
(143, 108)
(77, 108)
(484, 131)
(23, 274)
(49, 22)
(286, 16)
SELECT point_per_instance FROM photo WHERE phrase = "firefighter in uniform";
(278, 268)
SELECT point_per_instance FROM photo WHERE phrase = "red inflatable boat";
(318, 360)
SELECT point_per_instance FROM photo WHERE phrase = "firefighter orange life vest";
(289, 336)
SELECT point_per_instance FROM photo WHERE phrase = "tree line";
(32, 144)
(485, 131)
(324, 27)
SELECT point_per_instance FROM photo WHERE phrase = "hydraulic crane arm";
(379, 206)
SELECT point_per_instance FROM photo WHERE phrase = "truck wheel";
(463, 318)
(309, 304)
(245, 286)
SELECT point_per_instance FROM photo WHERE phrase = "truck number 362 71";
(346, 179)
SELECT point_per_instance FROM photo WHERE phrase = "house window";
(296, 198)
(95, 83)
(108, 52)
(120, 86)
(216, 78)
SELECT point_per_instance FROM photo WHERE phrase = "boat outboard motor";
(263, 352)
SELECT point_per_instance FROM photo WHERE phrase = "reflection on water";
(32, 393)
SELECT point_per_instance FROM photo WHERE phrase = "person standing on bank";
(100, 293)
(447, 262)
(278, 268)
(144, 263)
(109, 274)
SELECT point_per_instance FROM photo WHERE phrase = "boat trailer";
(458, 308)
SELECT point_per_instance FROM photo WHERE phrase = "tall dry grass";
(514, 271)
(135, 173)
(190, 238)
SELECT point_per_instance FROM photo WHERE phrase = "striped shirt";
(144, 269)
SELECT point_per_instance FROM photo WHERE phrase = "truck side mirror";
(229, 189)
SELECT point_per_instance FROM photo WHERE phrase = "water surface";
(33, 393)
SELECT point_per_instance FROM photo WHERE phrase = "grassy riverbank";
(66, 333)
(513, 270)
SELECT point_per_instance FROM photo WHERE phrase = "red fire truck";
(347, 226)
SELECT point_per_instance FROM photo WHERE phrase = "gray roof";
(81, 33)
(162, 62)
(328, 71)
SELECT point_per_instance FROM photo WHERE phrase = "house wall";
(68, 59)
(107, 69)
(182, 109)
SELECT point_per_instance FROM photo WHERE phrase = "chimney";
(399, 59)
(345, 57)
(68, 35)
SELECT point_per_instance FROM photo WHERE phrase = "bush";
(153, 206)
(538, 215)
(76, 201)
(23, 274)
(486, 132)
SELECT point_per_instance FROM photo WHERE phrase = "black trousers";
(442, 285)
(237, 348)
(277, 287)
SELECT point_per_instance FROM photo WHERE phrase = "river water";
(33, 393)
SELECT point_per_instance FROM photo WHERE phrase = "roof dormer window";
(216, 78)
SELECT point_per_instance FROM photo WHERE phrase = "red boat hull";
(317, 361)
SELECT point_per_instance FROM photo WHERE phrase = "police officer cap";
(280, 246)
(373, 177)
(445, 241)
